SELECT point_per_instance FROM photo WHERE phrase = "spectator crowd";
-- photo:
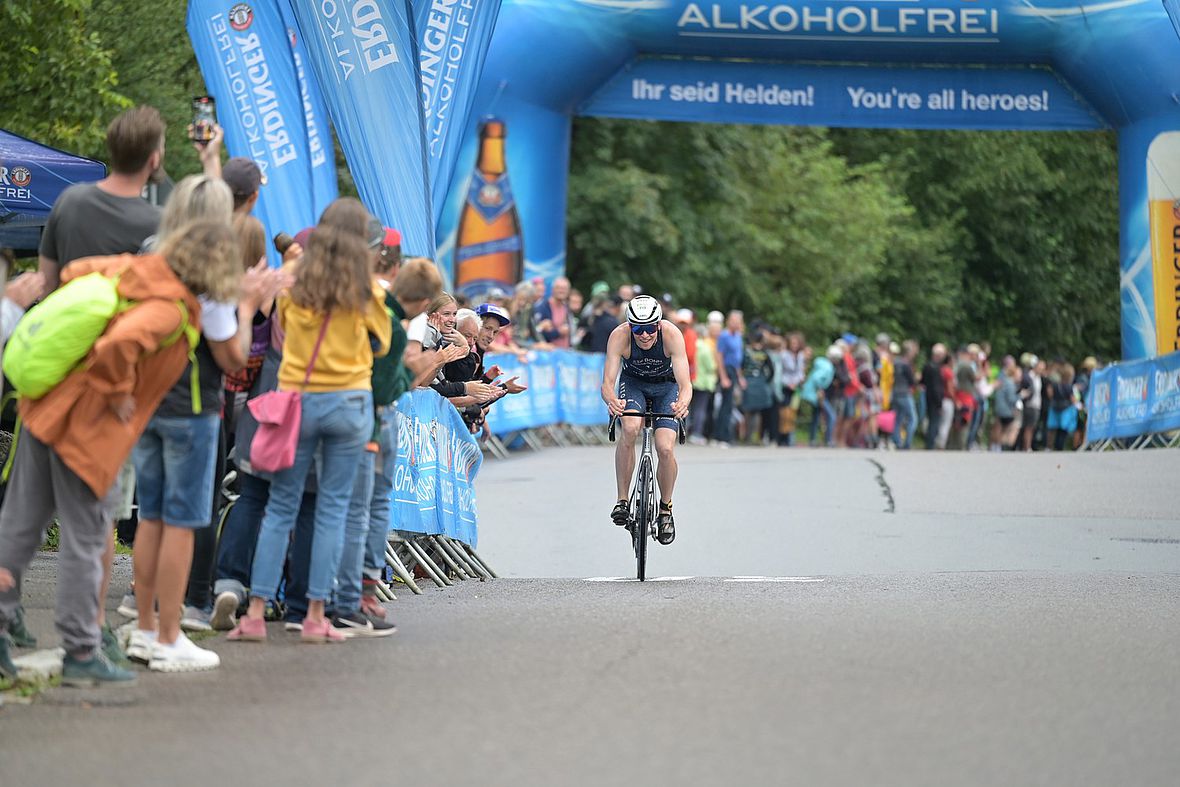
(176, 405)
(762, 385)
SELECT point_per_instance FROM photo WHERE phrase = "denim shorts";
(174, 466)
(640, 393)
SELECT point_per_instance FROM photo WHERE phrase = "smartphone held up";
(204, 119)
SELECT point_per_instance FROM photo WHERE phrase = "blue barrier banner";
(437, 462)
(727, 92)
(1134, 399)
(563, 388)
(1164, 401)
(245, 56)
(365, 58)
(512, 413)
(319, 137)
(453, 40)
(1099, 407)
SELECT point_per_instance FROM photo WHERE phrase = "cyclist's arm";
(678, 354)
(610, 372)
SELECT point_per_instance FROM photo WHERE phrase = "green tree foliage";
(57, 82)
(156, 66)
(764, 219)
(1010, 238)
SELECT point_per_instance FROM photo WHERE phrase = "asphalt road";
(1015, 620)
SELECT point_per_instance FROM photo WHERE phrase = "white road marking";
(774, 579)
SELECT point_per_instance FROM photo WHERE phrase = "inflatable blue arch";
(923, 64)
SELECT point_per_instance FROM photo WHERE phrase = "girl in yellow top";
(334, 297)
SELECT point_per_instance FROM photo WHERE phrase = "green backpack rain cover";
(55, 336)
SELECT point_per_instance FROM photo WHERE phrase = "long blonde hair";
(193, 198)
(336, 271)
(204, 255)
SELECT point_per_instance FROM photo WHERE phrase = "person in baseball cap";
(492, 310)
(244, 178)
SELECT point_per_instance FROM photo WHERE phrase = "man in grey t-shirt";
(110, 216)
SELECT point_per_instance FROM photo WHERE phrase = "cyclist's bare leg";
(666, 472)
(625, 454)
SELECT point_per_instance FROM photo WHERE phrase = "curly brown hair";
(336, 271)
(204, 255)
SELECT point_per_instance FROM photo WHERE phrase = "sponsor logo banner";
(564, 387)
(1134, 399)
(437, 462)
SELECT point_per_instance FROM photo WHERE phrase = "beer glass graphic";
(1163, 179)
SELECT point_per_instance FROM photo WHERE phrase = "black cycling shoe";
(666, 532)
(621, 513)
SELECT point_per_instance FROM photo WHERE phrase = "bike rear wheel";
(644, 514)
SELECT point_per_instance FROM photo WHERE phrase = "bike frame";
(643, 490)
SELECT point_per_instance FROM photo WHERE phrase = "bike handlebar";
(635, 414)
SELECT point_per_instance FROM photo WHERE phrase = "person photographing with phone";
(646, 365)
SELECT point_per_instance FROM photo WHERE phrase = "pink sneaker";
(248, 630)
(319, 633)
(372, 607)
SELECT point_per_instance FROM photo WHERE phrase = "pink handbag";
(887, 420)
(279, 415)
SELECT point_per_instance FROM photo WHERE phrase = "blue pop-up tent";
(32, 175)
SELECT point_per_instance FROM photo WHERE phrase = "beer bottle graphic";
(489, 251)
(1163, 177)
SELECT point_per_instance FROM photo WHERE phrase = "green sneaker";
(21, 637)
(7, 668)
(112, 649)
(98, 671)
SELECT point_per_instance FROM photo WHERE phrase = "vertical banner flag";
(245, 56)
(453, 39)
(365, 58)
(319, 137)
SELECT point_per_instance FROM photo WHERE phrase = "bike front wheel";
(644, 514)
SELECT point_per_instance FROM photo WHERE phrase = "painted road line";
(774, 579)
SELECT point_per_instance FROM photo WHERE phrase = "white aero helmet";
(644, 310)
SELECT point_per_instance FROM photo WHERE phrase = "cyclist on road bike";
(650, 353)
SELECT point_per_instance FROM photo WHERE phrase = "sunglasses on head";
(644, 329)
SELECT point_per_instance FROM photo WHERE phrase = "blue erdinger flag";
(319, 138)
(453, 38)
(245, 56)
(364, 57)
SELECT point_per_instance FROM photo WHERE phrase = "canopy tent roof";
(32, 176)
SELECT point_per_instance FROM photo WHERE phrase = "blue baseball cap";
(492, 310)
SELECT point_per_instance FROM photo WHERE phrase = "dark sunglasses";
(644, 329)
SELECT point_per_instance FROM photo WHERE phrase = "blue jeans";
(239, 535)
(175, 459)
(356, 530)
(336, 424)
(381, 506)
(828, 411)
(907, 419)
(723, 423)
(367, 529)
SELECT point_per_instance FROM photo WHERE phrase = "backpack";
(55, 336)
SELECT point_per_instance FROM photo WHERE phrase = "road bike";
(644, 508)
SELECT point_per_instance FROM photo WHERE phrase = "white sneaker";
(182, 656)
(140, 644)
(225, 611)
(127, 607)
